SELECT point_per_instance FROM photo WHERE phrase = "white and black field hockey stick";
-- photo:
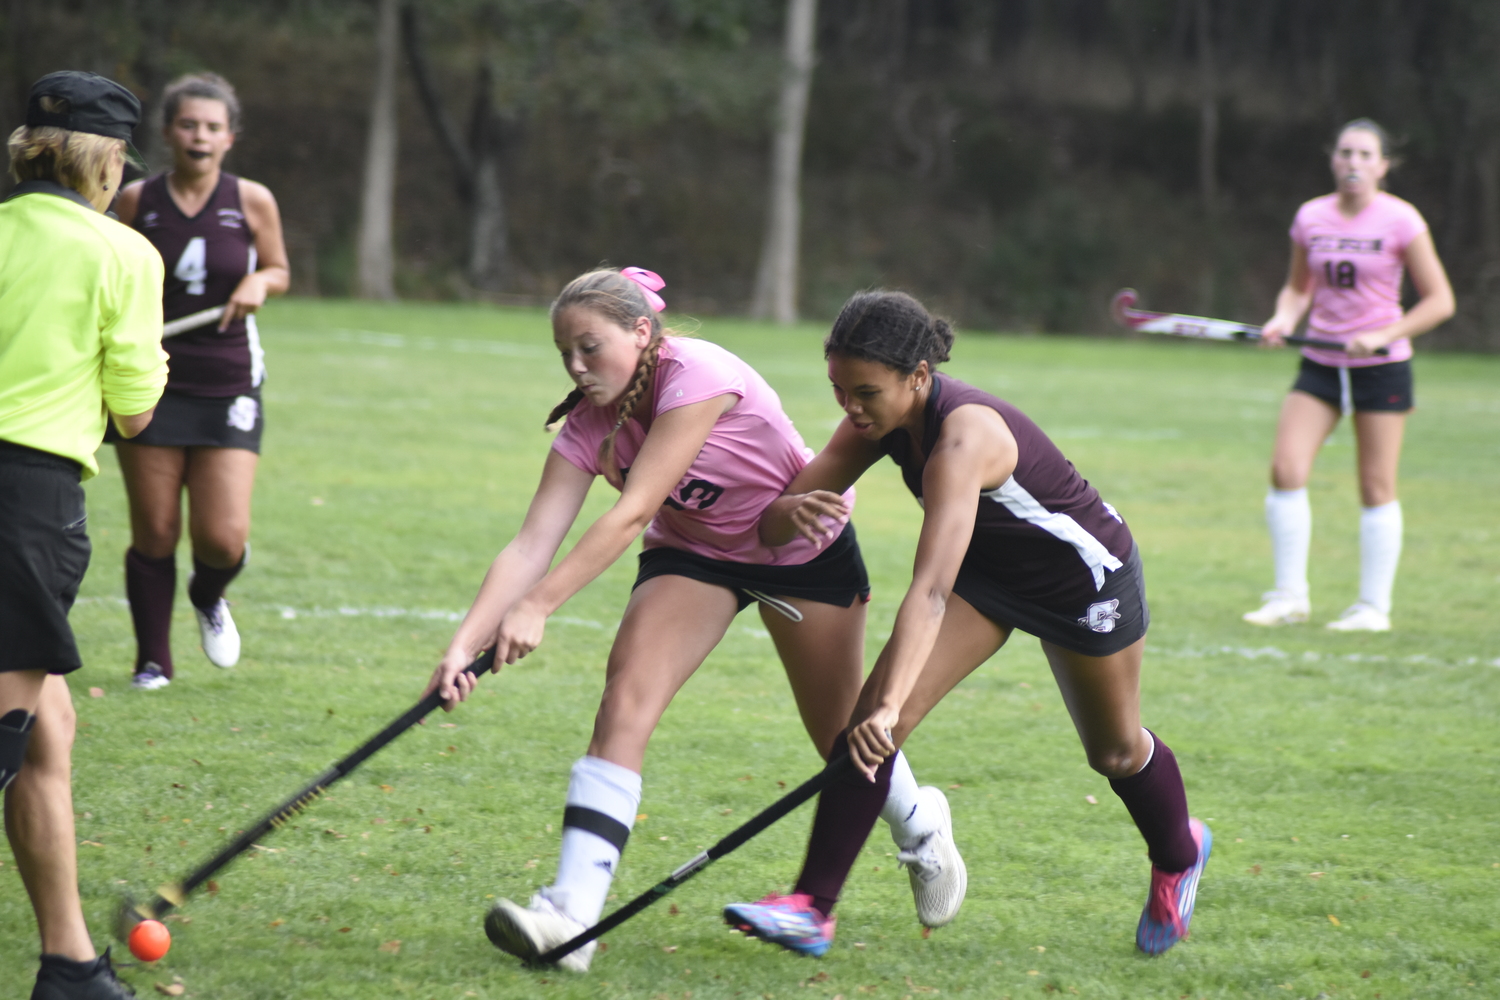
(192, 322)
(731, 841)
(1199, 327)
(174, 894)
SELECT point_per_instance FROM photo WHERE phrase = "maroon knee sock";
(151, 586)
(1158, 803)
(209, 583)
(847, 810)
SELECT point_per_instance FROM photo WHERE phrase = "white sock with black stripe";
(1380, 531)
(602, 803)
(910, 817)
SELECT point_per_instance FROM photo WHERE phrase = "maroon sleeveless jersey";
(1044, 534)
(206, 256)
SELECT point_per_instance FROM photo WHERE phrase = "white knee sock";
(911, 817)
(1379, 552)
(602, 803)
(1289, 516)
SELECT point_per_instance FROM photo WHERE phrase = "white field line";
(375, 338)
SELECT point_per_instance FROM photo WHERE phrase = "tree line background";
(1012, 162)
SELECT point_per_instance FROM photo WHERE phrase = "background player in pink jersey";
(1349, 251)
(1012, 538)
(220, 237)
(698, 446)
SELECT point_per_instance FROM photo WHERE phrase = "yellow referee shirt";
(80, 322)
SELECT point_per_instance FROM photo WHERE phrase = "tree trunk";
(1208, 112)
(776, 278)
(376, 260)
(487, 243)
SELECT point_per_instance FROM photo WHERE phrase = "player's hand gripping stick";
(173, 895)
(835, 768)
(1200, 327)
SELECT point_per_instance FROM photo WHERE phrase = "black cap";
(96, 104)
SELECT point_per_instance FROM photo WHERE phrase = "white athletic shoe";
(1279, 609)
(221, 640)
(150, 678)
(1361, 617)
(938, 876)
(529, 931)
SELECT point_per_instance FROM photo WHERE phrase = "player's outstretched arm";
(675, 439)
(974, 452)
(814, 501)
(1292, 301)
(517, 568)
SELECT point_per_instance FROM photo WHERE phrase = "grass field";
(1351, 781)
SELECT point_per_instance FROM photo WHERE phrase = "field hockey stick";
(174, 894)
(191, 322)
(1199, 327)
(731, 841)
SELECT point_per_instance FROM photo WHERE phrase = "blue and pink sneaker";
(790, 921)
(1169, 907)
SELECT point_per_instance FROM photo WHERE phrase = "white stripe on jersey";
(257, 354)
(1015, 499)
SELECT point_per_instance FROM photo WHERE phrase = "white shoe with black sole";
(528, 932)
(221, 640)
(939, 879)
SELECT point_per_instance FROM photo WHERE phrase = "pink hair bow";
(650, 283)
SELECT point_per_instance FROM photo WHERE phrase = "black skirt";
(834, 576)
(201, 422)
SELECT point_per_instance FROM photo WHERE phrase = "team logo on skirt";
(244, 411)
(1101, 616)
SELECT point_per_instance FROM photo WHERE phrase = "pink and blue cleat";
(790, 921)
(1169, 907)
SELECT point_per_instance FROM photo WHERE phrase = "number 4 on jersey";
(192, 266)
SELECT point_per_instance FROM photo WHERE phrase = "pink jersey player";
(751, 453)
(1349, 252)
(699, 448)
(1356, 265)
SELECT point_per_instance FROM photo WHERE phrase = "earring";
(106, 187)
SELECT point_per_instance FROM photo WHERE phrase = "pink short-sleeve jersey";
(1356, 265)
(750, 457)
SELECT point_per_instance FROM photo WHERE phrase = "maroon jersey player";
(1012, 538)
(220, 238)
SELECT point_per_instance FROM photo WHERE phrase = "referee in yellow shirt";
(80, 342)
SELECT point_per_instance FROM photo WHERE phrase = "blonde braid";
(650, 358)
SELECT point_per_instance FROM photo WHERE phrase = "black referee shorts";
(834, 576)
(1382, 388)
(44, 551)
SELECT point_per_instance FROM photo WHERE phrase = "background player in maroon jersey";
(1012, 537)
(220, 237)
(1349, 251)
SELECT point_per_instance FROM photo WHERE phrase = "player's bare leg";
(1305, 424)
(824, 657)
(39, 823)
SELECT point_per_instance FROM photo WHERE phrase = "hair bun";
(942, 335)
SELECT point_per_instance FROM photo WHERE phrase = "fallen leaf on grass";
(89, 843)
(926, 933)
(390, 947)
(603, 946)
(955, 785)
(174, 990)
(1334, 920)
(672, 910)
(821, 977)
(276, 923)
(213, 886)
(1091, 800)
(669, 949)
(176, 918)
(859, 946)
(1316, 874)
(1365, 974)
(96, 692)
(1032, 972)
(386, 788)
(345, 930)
(1253, 869)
